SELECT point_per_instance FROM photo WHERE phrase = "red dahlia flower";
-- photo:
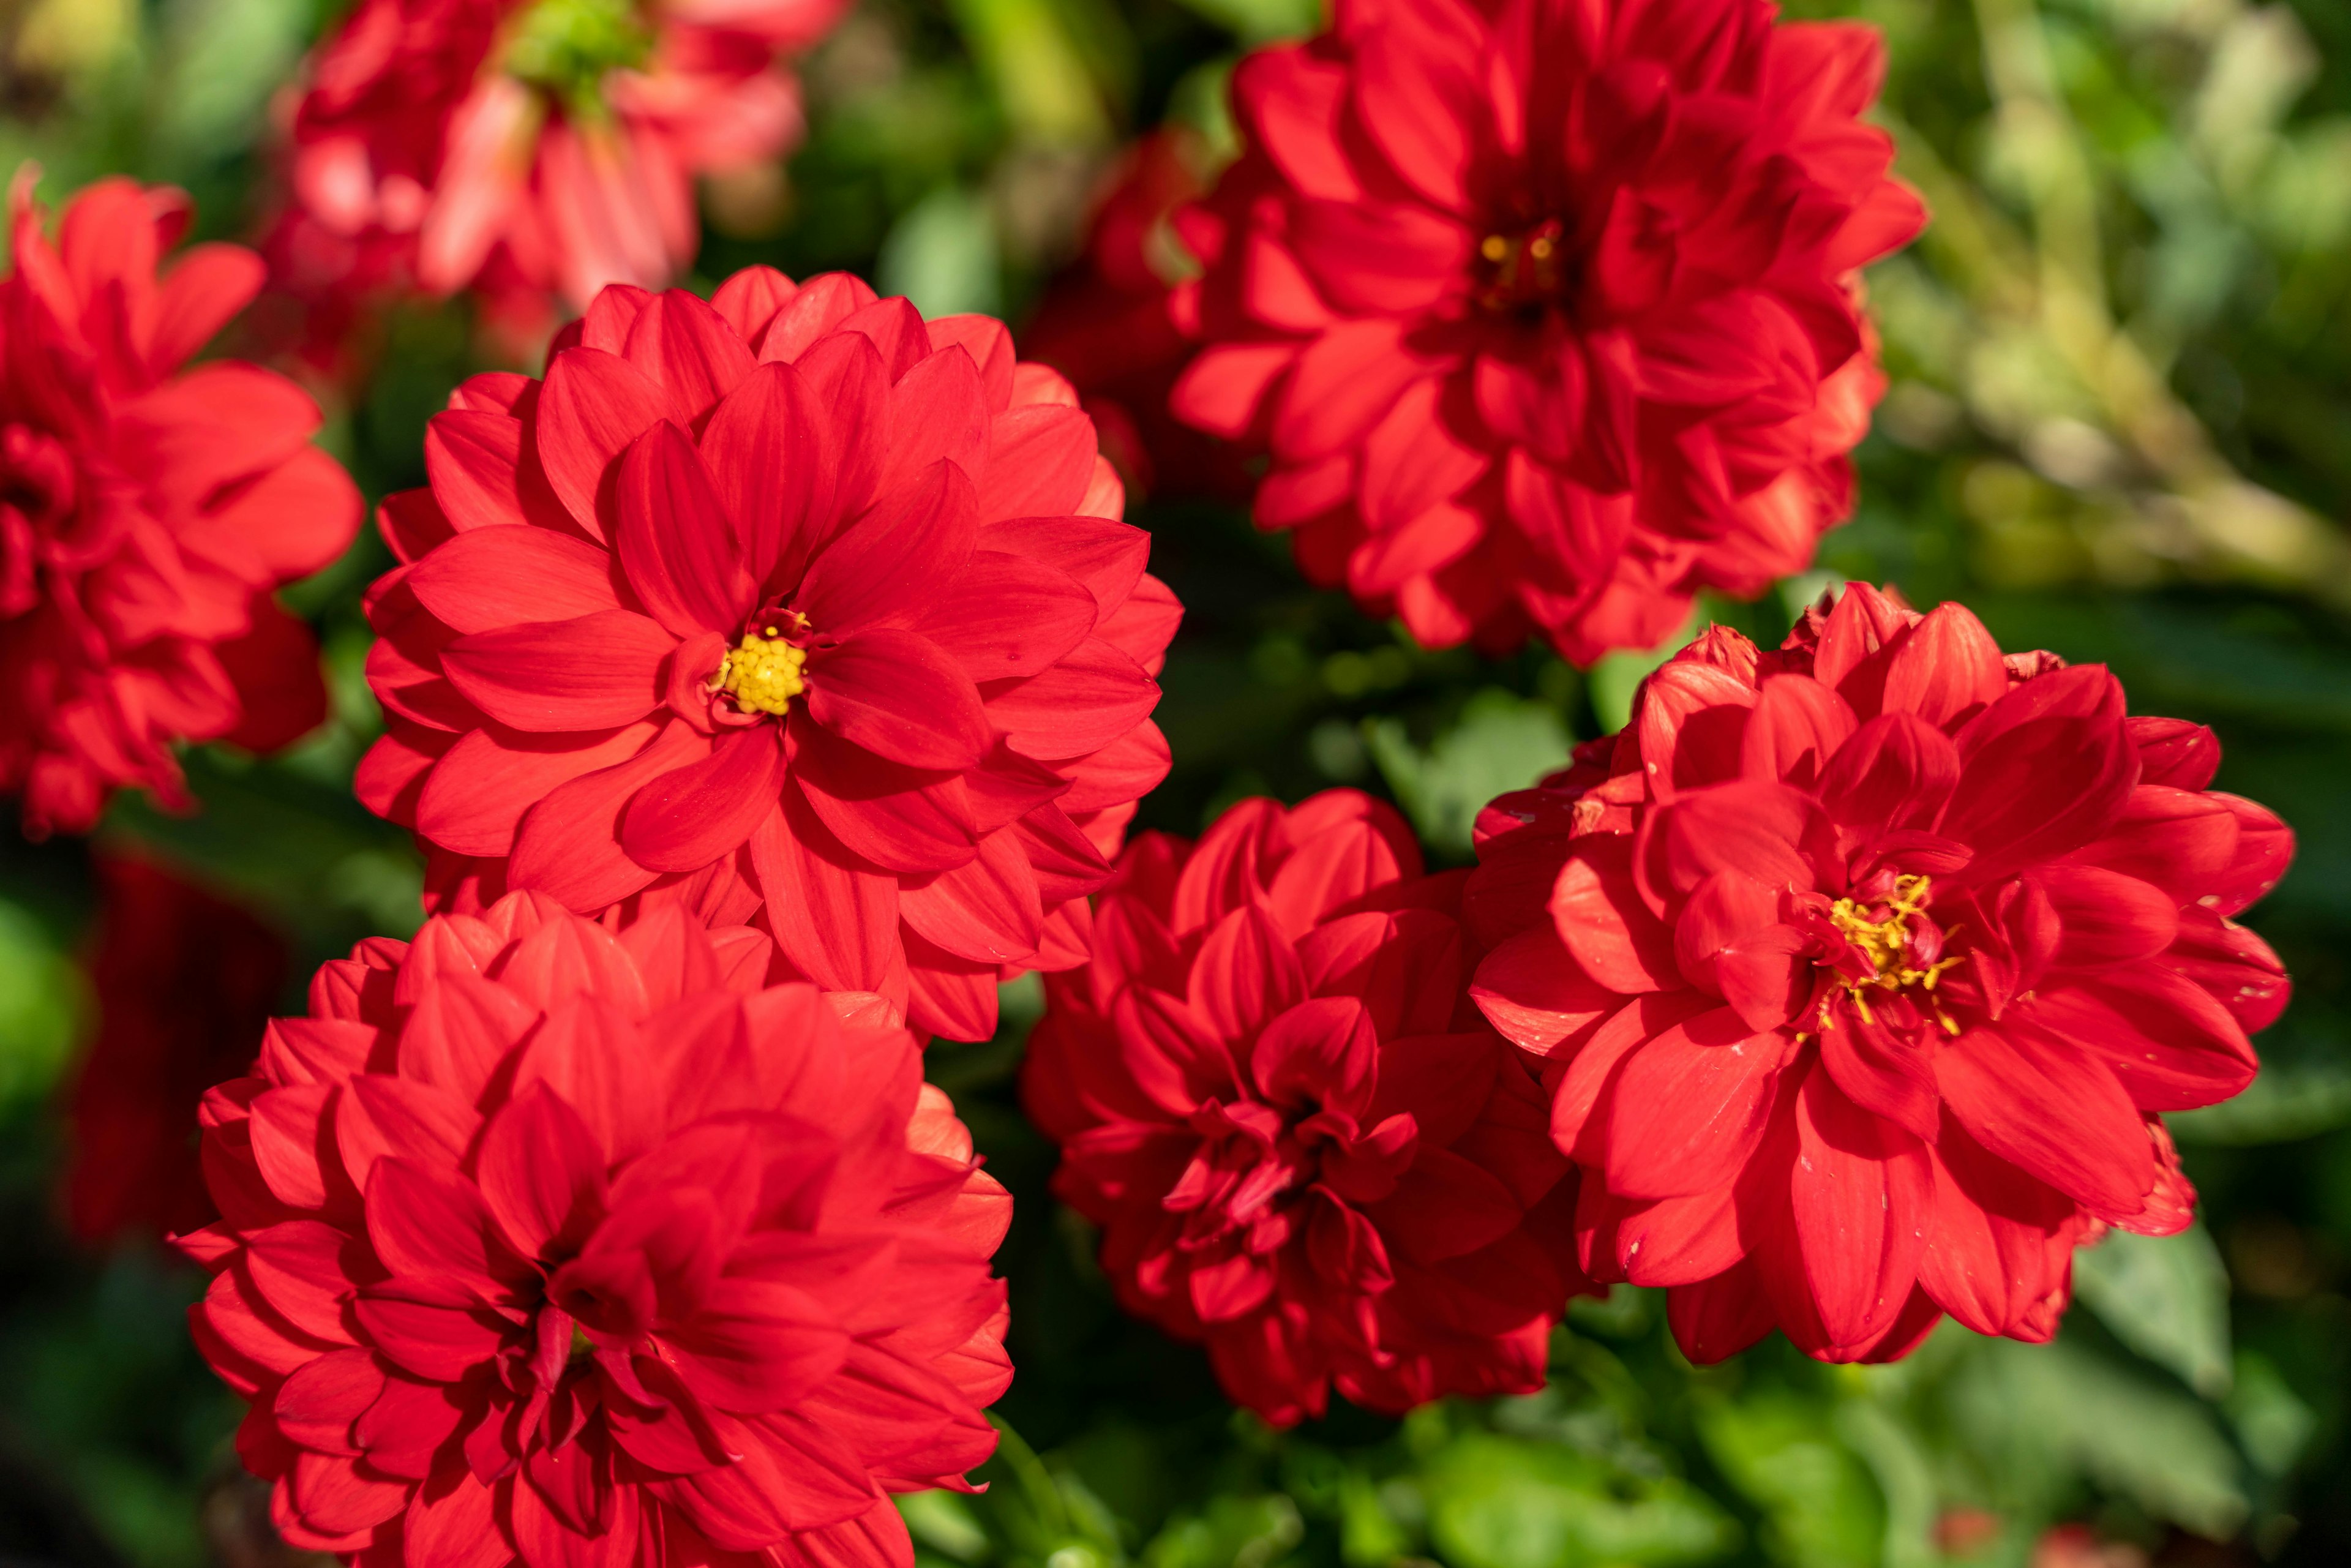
(546, 1243)
(526, 148)
(185, 982)
(797, 601)
(1548, 312)
(1304, 1147)
(1860, 972)
(146, 512)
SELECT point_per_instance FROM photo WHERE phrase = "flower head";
(146, 511)
(530, 148)
(185, 981)
(804, 605)
(546, 1242)
(1303, 1147)
(1860, 973)
(1547, 313)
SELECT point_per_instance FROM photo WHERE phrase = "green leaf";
(2046, 1414)
(1231, 1532)
(1256, 22)
(41, 1004)
(1497, 1503)
(942, 1522)
(1501, 742)
(2166, 1296)
(2272, 1423)
(943, 256)
(1821, 1504)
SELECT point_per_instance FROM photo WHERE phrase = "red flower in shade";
(528, 147)
(1860, 972)
(542, 1241)
(1303, 1145)
(1114, 324)
(185, 983)
(146, 513)
(1547, 312)
(812, 605)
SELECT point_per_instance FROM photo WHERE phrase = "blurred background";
(2119, 426)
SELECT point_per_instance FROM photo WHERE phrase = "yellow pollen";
(581, 1343)
(761, 675)
(1541, 248)
(1494, 248)
(1887, 944)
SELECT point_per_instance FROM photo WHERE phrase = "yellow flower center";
(763, 673)
(1887, 943)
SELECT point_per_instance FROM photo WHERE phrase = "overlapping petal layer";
(1860, 973)
(1304, 1147)
(790, 606)
(147, 511)
(525, 148)
(1547, 312)
(552, 1243)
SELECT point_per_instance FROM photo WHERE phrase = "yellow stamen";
(761, 675)
(581, 1343)
(1494, 248)
(1887, 945)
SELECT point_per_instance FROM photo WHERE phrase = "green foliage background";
(2120, 427)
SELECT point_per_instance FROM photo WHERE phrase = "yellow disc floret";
(763, 673)
(1887, 943)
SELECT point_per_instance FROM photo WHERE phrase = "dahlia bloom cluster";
(547, 1242)
(529, 149)
(1304, 1147)
(1547, 314)
(1860, 972)
(791, 607)
(147, 511)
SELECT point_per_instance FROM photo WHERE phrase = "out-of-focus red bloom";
(1860, 972)
(1110, 323)
(544, 1242)
(146, 511)
(1547, 313)
(528, 149)
(1304, 1146)
(812, 605)
(185, 982)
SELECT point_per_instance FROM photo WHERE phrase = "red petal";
(1797, 726)
(569, 845)
(2053, 1109)
(1084, 703)
(686, 818)
(1861, 1193)
(592, 406)
(675, 540)
(1691, 1104)
(840, 921)
(892, 566)
(487, 578)
(896, 695)
(1006, 617)
(593, 672)
(1946, 669)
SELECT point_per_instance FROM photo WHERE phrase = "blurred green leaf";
(1821, 1506)
(1231, 1532)
(2272, 1423)
(2047, 1413)
(943, 256)
(1502, 741)
(1259, 22)
(2166, 1296)
(42, 1003)
(1497, 1503)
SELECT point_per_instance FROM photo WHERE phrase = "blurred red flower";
(1111, 323)
(525, 148)
(1303, 1145)
(185, 982)
(587, 1247)
(146, 512)
(1547, 313)
(812, 605)
(1861, 971)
